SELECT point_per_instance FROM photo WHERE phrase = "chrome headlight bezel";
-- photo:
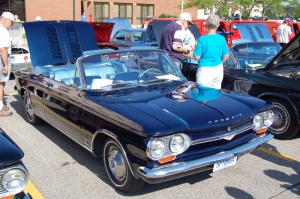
(263, 120)
(16, 174)
(166, 149)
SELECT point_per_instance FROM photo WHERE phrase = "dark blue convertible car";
(134, 108)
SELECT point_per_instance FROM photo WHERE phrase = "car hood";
(58, 42)
(161, 113)
(287, 55)
(251, 32)
(119, 24)
(102, 31)
(9, 152)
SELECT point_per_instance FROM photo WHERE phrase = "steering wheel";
(155, 70)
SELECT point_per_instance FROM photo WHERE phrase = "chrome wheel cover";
(116, 163)
(28, 108)
(281, 119)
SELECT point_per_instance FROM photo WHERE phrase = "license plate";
(224, 163)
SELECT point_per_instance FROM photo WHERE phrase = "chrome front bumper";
(181, 169)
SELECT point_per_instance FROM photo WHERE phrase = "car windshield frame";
(120, 74)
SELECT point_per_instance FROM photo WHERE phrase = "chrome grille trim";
(223, 136)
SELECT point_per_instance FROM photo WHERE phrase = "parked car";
(255, 45)
(255, 52)
(129, 37)
(119, 24)
(20, 58)
(134, 108)
(277, 83)
(13, 174)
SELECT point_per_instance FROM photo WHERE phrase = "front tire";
(285, 125)
(31, 117)
(117, 168)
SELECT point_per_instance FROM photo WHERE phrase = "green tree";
(201, 4)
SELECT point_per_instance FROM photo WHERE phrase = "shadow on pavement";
(95, 165)
(290, 182)
(238, 193)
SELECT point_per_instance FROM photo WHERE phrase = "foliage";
(270, 8)
(163, 15)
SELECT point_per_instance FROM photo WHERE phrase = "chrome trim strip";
(73, 139)
(113, 136)
(233, 133)
(182, 167)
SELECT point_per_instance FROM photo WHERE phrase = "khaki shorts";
(211, 77)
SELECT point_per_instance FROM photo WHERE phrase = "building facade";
(134, 10)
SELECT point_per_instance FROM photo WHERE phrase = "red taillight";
(25, 58)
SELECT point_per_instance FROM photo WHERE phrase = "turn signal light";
(261, 131)
(8, 197)
(167, 159)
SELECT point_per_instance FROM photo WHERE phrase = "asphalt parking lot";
(59, 168)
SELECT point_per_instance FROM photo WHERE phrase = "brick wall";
(63, 9)
(52, 9)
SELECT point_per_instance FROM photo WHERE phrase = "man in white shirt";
(283, 32)
(6, 21)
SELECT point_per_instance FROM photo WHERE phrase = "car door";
(63, 104)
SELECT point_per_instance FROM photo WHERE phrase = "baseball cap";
(186, 17)
(8, 15)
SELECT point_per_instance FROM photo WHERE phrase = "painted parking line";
(33, 191)
(276, 154)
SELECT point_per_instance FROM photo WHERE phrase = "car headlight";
(263, 120)
(164, 147)
(179, 143)
(15, 180)
(268, 118)
(156, 149)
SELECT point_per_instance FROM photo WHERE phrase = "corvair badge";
(225, 119)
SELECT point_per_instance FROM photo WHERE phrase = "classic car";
(254, 45)
(129, 37)
(276, 82)
(13, 174)
(119, 23)
(134, 108)
(255, 52)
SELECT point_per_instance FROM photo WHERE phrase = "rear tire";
(117, 168)
(285, 125)
(31, 117)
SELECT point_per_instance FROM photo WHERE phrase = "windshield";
(128, 69)
(255, 55)
(138, 36)
(291, 54)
